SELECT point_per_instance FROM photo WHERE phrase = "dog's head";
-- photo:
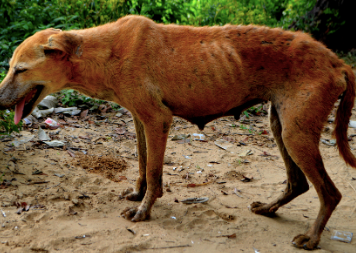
(39, 66)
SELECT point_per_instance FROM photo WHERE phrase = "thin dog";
(198, 73)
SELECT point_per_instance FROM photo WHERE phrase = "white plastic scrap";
(223, 144)
(41, 113)
(256, 250)
(352, 124)
(61, 109)
(42, 135)
(343, 236)
(200, 137)
(24, 139)
(54, 143)
(49, 102)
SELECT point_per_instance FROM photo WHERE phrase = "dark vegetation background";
(330, 21)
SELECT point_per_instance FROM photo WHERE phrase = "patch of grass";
(349, 57)
(74, 98)
(7, 124)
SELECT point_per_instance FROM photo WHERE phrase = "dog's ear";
(63, 44)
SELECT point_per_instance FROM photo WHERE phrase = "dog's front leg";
(156, 132)
(141, 184)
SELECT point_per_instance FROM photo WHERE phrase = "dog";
(159, 71)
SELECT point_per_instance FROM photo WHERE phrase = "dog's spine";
(343, 116)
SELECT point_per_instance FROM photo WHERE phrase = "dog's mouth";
(25, 106)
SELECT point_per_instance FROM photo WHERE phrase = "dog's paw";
(135, 214)
(262, 208)
(132, 195)
(305, 242)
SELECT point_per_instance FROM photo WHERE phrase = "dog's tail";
(343, 116)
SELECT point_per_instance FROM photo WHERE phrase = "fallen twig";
(195, 185)
(352, 187)
(170, 247)
(235, 192)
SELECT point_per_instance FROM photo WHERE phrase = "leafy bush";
(272, 13)
(22, 18)
(7, 125)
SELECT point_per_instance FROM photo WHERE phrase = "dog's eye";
(49, 52)
(18, 71)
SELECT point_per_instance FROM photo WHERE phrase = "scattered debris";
(180, 137)
(256, 250)
(235, 192)
(24, 207)
(42, 135)
(41, 113)
(232, 236)
(51, 124)
(71, 211)
(82, 236)
(68, 110)
(245, 153)
(24, 139)
(49, 102)
(29, 120)
(54, 143)
(195, 185)
(223, 144)
(246, 179)
(329, 142)
(200, 137)
(194, 200)
(352, 124)
(130, 230)
(342, 236)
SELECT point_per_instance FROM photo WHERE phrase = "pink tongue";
(19, 107)
(19, 110)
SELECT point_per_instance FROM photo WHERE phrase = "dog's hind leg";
(296, 184)
(156, 129)
(305, 152)
(141, 184)
(302, 117)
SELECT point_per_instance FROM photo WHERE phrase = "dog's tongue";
(19, 110)
(20, 106)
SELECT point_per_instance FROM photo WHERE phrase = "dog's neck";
(90, 66)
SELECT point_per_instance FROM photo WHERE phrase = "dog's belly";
(202, 117)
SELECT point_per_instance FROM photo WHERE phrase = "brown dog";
(157, 71)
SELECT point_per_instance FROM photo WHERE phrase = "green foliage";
(7, 125)
(272, 13)
(22, 18)
(349, 57)
(73, 98)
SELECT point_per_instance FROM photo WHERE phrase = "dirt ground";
(69, 199)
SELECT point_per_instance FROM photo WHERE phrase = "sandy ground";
(70, 209)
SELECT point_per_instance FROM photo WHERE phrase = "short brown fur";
(199, 73)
